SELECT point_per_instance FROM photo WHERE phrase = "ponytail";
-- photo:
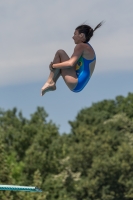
(99, 25)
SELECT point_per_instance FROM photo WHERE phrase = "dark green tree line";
(93, 162)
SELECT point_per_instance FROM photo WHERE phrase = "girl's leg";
(69, 74)
(54, 75)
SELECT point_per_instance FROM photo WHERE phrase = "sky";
(31, 33)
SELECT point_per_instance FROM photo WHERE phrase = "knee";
(60, 51)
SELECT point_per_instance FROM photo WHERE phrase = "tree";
(103, 152)
(5, 176)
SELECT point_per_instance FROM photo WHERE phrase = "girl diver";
(77, 70)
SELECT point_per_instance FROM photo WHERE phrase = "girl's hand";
(50, 66)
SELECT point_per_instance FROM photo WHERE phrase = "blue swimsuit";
(83, 72)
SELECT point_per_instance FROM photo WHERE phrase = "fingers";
(50, 66)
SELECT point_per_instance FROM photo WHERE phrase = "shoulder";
(79, 47)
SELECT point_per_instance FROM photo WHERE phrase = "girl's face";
(78, 37)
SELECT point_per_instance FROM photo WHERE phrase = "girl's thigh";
(62, 55)
(70, 77)
(68, 74)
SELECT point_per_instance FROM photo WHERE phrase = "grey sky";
(32, 31)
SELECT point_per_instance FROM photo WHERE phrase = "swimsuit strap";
(94, 53)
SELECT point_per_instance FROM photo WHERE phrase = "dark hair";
(87, 30)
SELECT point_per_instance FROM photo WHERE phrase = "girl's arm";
(78, 51)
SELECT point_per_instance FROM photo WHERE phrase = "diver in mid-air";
(77, 70)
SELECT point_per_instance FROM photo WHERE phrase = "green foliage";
(93, 162)
(5, 175)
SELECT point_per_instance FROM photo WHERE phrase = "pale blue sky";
(32, 31)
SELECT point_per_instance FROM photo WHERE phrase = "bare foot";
(48, 87)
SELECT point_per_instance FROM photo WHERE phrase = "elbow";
(71, 64)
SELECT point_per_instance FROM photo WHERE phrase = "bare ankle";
(50, 82)
(48, 87)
